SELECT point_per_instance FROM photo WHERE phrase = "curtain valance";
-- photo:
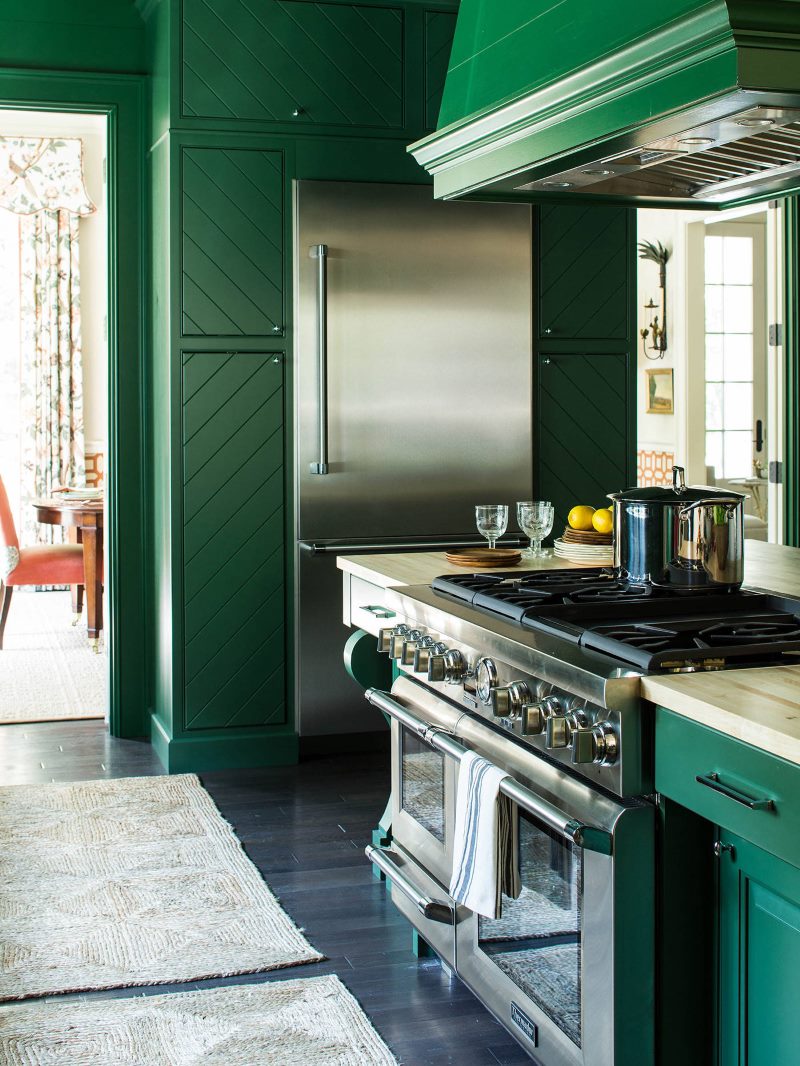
(43, 174)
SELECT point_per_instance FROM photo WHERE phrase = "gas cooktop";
(643, 626)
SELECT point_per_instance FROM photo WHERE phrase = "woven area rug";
(133, 881)
(48, 671)
(310, 1022)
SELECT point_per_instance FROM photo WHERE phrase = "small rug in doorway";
(133, 881)
(309, 1022)
(48, 671)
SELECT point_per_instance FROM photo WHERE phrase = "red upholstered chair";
(45, 564)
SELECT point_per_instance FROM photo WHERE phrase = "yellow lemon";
(602, 520)
(581, 517)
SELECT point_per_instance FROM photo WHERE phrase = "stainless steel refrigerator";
(412, 391)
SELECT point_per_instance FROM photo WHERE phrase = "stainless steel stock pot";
(679, 536)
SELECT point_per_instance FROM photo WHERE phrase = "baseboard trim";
(180, 755)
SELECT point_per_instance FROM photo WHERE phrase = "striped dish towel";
(486, 844)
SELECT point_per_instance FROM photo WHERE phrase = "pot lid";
(678, 492)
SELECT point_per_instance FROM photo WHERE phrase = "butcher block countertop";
(760, 707)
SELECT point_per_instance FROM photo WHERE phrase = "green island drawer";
(732, 775)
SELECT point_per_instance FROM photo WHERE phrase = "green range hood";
(672, 103)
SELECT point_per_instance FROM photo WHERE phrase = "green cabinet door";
(583, 436)
(232, 242)
(292, 61)
(584, 276)
(759, 956)
(233, 540)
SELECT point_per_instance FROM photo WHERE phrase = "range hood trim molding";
(601, 82)
(696, 69)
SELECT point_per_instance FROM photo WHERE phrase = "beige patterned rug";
(48, 671)
(133, 881)
(310, 1022)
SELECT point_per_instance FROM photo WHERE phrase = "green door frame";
(121, 98)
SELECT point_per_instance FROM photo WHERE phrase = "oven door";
(569, 967)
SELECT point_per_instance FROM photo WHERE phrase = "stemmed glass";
(535, 518)
(491, 520)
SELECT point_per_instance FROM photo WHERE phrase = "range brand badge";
(523, 1022)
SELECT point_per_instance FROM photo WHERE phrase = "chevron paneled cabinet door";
(233, 540)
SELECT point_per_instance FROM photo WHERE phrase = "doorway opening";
(54, 411)
(720, 378)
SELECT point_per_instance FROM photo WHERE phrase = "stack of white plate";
(596, 554)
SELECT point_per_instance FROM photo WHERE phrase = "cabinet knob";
(277, 329)
(297, 112)
(547, 331)
(720, 849)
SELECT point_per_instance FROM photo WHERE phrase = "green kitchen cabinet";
(584, 278)
(583, 440)
(331, 64)
(233, 540)
(759, 956)
(232, 263)
(439, 29)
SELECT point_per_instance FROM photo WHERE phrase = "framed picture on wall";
(660, 398)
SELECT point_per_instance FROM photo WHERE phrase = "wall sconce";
(657, 330)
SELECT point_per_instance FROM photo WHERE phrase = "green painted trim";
(122, 99)
(791, 354)
(224, 750)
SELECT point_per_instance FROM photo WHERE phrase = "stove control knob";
(584, 745)
(409, 647)
(535, 715)
(436, 667)
(507, 702)
(607, 746)
(557, 731)
(385, 637)
(455, 667)
(399, 639)
(485, 680)
(422, 655)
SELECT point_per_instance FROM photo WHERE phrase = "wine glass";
(535, 518)
(491, 520)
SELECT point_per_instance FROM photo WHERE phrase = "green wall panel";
(439, 29)
(583, 446)
(232, 232)
(584, 285)
(335, 64)
(233, 540)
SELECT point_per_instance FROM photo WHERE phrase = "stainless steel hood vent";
(709, 163)
(665, 103)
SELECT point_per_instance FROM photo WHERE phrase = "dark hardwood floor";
(305, 827)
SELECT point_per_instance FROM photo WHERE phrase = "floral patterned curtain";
(41, 181)
(51, 378)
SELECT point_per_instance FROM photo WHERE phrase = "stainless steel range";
(539, 673)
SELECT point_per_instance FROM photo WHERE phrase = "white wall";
(664, 432)
(93, 253)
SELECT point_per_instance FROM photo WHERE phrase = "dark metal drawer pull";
(433, 909)
(713, 782)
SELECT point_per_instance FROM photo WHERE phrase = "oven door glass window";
(537, 940)
(422, 784)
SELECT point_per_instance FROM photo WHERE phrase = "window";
(729, 355)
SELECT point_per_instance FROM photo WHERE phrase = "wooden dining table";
(83, 520)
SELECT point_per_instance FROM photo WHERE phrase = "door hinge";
(776, 472)
(776, 334)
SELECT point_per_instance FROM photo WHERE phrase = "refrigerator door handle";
(320, 253)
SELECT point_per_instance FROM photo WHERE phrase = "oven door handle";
(432, 909)
(588, 837)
